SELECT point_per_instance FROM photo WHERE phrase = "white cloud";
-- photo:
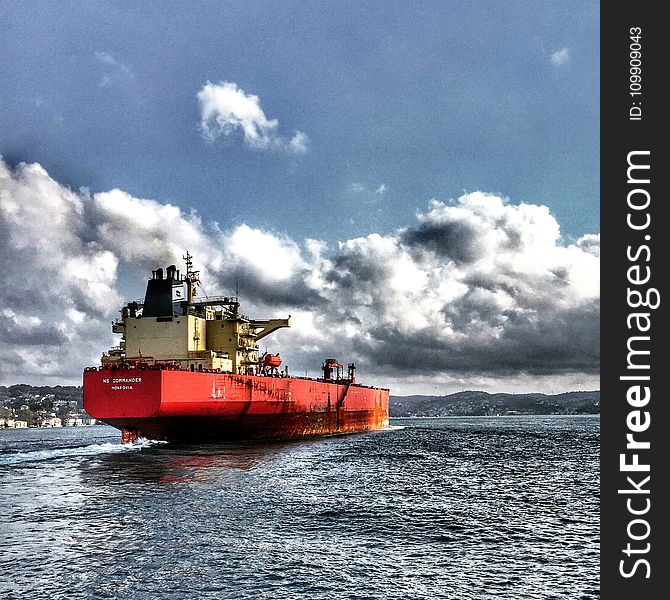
(270, 256)
(120, 220)
(116, 70)
(56, 272)
(105, 58)
(226, 108)
(370, 194)
(477, 290)
(560, 57)
(299, 143)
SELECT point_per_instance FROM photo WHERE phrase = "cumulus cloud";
(477, 290)
(479, 286)
(141, 231)
(50, 267)
(560, 57)
(226, 109)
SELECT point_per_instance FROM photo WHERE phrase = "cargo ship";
(188, 369)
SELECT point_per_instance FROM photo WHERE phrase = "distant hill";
(38, 395)
(473, 403)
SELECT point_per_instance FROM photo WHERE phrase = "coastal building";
(12, 423)
(51, 421)
(78, 420)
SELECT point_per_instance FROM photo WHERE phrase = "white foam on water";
(77, 451)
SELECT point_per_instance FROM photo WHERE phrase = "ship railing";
(344, 382)
(209, 300)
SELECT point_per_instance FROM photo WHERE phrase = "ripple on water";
(434, 508)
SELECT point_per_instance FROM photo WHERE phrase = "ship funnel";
(171, 272)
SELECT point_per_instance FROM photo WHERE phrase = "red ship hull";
(185, 406)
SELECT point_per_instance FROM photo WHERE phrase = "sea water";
(462, 508)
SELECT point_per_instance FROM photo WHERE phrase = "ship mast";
(192, 277)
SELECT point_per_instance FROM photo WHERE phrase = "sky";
(417, 184)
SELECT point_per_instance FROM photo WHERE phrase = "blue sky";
(367, 126)
(427, 99)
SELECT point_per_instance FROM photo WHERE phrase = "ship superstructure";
(188, 368)
(173, 323)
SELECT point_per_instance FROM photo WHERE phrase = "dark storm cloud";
(457, 241)
(350, 271)
(28, 332)
(252, 284)
(568, 342)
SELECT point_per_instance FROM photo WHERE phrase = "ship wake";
(35, 456)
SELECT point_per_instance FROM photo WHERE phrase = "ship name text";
(122, 380)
